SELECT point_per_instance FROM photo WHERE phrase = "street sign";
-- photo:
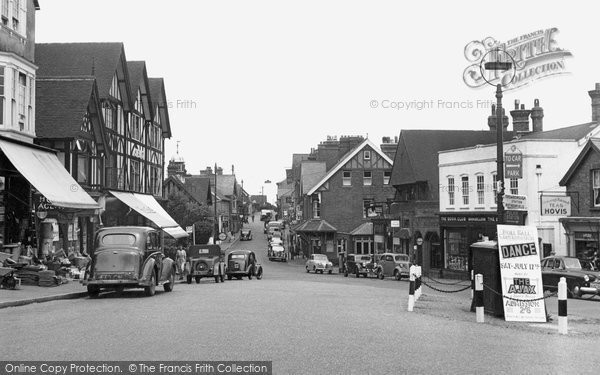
(222, 236)
(513, 163)
(515, 202)
(521, 274)
(556, 205)
(395, 223)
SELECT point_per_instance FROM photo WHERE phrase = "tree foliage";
(187, 213)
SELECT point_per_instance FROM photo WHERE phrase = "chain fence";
(445, 283)
(518, 299)
(445, 291)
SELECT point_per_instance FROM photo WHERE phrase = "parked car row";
(580, 281)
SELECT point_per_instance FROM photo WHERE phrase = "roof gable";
(351, 156)
(101, 60)
(592, 145)
(138, 81)
(310, 173)
(159, 100)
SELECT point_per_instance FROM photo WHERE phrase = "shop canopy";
(147, 206)
(45, 172)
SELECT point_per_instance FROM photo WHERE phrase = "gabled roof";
(311, 172)
(346, 158)
(417, 153)
(226, 184)
(100, 60)
(159, 98)
(138, 80)
(199, 188)
(315, 225)
(61, 105)
(364, 229)
(592, 145)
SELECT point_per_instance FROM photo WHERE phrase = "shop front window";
(456, 251)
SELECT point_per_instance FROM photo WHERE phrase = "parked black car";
(579, 281)
(242, 263)
(205, 261)
(356, 264)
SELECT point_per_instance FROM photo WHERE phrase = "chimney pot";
(537, 115)
(595, 96)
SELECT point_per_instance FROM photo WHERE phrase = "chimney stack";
(219, 171)
(537, 115)
(595, 95)
(520, 118)
(388, 147)
(492, 119)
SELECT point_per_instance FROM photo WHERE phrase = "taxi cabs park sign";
(521, 274)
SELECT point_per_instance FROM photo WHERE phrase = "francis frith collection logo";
(534, 56)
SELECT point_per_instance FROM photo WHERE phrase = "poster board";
(521, 274)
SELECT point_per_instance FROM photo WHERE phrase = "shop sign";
(586, 236)
(514, 217)
(395, 223)
(513, 163)
(521, 274)
(378, 238)
(515, 202)
(556, 206)
(467, 219)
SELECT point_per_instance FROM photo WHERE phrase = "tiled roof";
(311, 173)
(417, 154)
(315, 225)
(364, 229)
(61, 105)
(80, 59)
(136, 74)
(199, 188)
(158, 96)
(575, 132)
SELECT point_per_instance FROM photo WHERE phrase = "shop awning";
(45, 172)
(148, 207)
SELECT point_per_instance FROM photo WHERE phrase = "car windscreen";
(245, 231)
(237, 256)
(401, 258)
(118, 239)
(279, 248)
(320, 257)
(365, 258)
(572, 263)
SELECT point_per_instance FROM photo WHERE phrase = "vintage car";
(319, 263)
(128, 257)
(356, 264)
(579, 281)
(245, 234)
(242, 263)
(277, 252)
(390, 264)
(205, 261)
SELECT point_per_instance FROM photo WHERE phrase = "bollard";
(479, 297)
(562, 306)
(411, 290)
(417, 283)
(472, 284)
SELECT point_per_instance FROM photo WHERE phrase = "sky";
(249, 83)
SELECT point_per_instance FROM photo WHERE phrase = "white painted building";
(467, 183)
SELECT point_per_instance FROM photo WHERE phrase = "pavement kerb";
(74, 295)
(55, 297)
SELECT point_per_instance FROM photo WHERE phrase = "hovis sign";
(521, 274)
(556, 205)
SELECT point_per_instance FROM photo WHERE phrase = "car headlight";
(586, 278)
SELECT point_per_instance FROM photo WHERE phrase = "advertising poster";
(521, 274)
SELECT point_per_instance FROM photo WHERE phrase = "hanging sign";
(513, 163)
(521, 274)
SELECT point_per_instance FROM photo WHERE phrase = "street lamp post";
(216, 223)
(499, 65)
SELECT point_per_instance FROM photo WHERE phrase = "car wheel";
(315, 269)
(229, 277)
(217, 279)
(357, 274)
(93, 291)
(380, 275)
(330, 271)
(397, 275)
(189, 279)
(238, 277)
(259, 274)
(198, 279)
(168, 287)
(307, 270)
(365, 275)
(151, 289)
(346, 273)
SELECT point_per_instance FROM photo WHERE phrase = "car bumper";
(237, 272)
(592, 289)
(117, 283)
(202, 273)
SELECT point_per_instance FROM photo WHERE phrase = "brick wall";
(581, 182)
